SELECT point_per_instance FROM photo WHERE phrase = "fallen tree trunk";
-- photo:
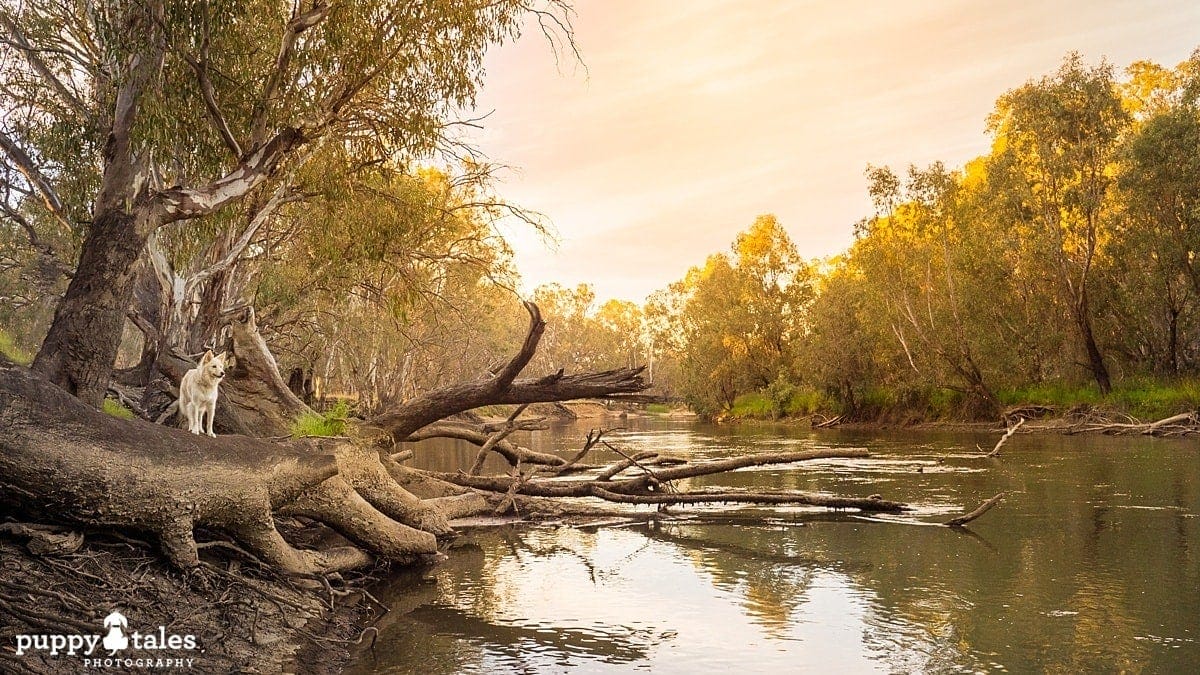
(652, 485)
(62, 461)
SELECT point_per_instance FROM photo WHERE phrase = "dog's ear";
(208, 356)
(222, 357)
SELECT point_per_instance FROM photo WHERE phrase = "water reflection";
(1089, 566)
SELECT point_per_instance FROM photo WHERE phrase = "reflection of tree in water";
(772, 585)
(1068, 579)
(774, 568)
(1105, 635)
(462, 621)
(616, 645)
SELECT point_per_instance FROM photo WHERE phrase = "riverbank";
(1055, 406)
(240, 618)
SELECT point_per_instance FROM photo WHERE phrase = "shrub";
(332, 423)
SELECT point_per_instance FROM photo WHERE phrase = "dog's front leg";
(212, 412)
(189, 413)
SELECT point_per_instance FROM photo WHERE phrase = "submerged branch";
(982, 509)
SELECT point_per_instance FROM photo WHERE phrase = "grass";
(658, 408)
(778, 401)
(117, 410)
(755, 405)
(11, 351)
(1147, 399)
(332, 423)
(1144, 398)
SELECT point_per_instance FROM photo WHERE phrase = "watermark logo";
(152, 650)
(116, 625)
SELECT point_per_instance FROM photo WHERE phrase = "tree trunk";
(108, 472)
(1083, 320)
(81, 346)
(253, 398)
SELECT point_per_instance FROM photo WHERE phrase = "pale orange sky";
(692, 118)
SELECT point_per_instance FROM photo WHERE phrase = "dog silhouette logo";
(115, 640)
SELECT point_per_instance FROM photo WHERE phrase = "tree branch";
(40, 67)
(209, 95)
(260, 165)
(278, 199)
(528, 348)
(25, 164)
(300, 22)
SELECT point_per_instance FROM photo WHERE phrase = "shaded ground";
(244, 618)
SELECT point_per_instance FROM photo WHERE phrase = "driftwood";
(1097, 420)
(1003, 439)
(979, 511)
(652, 483)
(1182, 424)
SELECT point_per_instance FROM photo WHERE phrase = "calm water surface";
(1092, 564)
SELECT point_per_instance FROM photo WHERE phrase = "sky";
(686, 120)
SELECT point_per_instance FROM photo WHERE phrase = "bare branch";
(33, 174)
(982, 509)
(35, 61)
(300, 22)
(264, 214)
(528, 348)
(259, 166)
(209, 95)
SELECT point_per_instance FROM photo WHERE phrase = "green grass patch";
(114, 408)
(1150, 400)
(13, 352)
(332, 423)
(658, 408)
(1055, 393)
(1147, 399)
(802, 401)
(755, 405)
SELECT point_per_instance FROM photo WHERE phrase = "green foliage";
(115, 409)
(1150, 400)
(732, 326)
(754, 405)
(1069, 251)
(658, 408)
(12, 351)
(332, 423)
(1145, 398)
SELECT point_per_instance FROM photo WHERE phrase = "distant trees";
(737, 319)
(1069, 251)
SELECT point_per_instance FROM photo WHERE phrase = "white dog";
(198, 393)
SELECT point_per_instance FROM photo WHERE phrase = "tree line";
(1065, 258)
(1066, 255)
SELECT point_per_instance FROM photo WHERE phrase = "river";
(1092, 564)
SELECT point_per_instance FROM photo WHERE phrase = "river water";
(1092, 564)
